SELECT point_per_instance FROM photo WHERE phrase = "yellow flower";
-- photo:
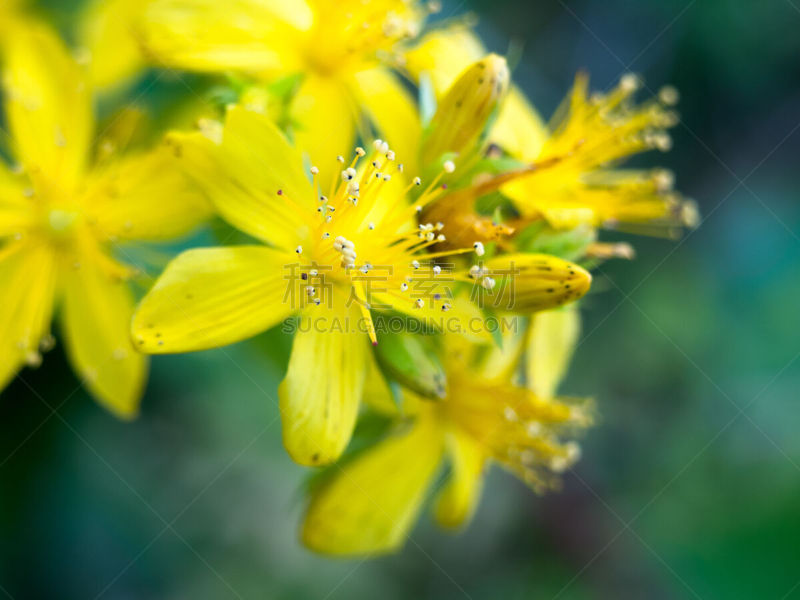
(336, 256)
(569, 179)
(336, 46)
(60, 213)
(369, 504)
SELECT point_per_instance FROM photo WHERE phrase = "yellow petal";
(458, 499)
(325, 112)
(501, 362)
(96, 323)
(9, 13)
(320, 395)
(208, 35)
(519, 130)
(211, 297)
(533, 282)
(27, 290)
(370, 504)
(253, 177)
(16, 211)
(107, 33)
(443, 54)
(48, 105)
(145, 198)
(392, 110)
(552, 341)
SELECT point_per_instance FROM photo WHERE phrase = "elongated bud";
(463, 113)
(532, 282)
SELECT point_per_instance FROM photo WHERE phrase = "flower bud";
(463, 112)
(533, 282)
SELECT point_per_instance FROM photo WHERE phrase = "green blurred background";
(690, 484)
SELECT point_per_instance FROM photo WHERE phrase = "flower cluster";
(427, 253)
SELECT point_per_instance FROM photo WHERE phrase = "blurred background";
(690, 484)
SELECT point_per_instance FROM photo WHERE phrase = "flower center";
(61, 222)
(519, 430)
(364, 238)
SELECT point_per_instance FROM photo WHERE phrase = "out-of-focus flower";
(336, 256)
(369, 504)
(106, 34)
(566, 173)
(337, 47)
(63, 210)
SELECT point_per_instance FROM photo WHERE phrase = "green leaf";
(568, 244)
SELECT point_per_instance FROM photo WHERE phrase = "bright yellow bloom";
(336, 46)
(570, 179)
(60, 214)
(370, 504)
(336, 256)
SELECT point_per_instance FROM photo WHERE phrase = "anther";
(449, 166)
(629, 82)
(479, 249)
(669, 95)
